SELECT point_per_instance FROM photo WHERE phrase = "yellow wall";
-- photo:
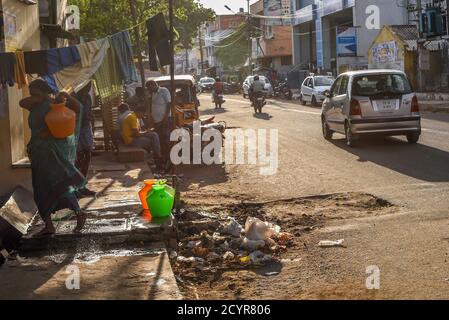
(14, 131)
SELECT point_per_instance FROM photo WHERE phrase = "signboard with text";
(346, 41)
(277, 12)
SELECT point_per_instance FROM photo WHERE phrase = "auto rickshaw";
(187, 104)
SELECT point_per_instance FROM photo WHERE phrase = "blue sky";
(218, 5)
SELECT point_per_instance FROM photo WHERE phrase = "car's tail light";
(415, 105)
(355, 109)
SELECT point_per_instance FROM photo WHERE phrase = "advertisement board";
(277, 12)
(346, 41)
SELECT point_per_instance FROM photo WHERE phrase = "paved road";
(411, 247)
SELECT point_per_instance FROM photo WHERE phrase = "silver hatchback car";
(371, 102)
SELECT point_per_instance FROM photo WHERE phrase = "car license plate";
(386, 105)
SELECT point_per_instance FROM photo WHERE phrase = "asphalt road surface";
(410, 247)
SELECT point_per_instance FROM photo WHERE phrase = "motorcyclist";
(218, 89)
(256, 88)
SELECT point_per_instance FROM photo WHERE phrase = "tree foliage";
(100, 18)
(233, 51)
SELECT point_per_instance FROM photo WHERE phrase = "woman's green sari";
(55, 177)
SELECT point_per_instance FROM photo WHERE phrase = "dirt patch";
(293, 258)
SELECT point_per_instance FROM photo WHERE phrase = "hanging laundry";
(109, 77)
(7, 69)
(158, 41)
(74, 78)
(60, 58)
(36, 62)
(121, 43)
(19, 70)
(88, 50)
(69, 56)
(152, 56)
(163, 52)
(50, 79)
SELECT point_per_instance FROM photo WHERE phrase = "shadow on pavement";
(202, 175)
(262, 116)
(212, 111)
(418, 161)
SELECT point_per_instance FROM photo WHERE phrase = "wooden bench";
(130, 154)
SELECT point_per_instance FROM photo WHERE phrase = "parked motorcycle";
(283, 90)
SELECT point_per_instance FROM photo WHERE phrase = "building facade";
(335, 35)
(273, 49)
(222, 27)
(21, 29)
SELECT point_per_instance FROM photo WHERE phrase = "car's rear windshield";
(263, 79)
(207, 80)
(380, 84)
(324, 81)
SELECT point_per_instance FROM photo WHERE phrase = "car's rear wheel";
(327, 133)
(413, 138)
(301, 99)
(351, 139)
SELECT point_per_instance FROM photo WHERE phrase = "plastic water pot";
(161, 200)
(61, 121)
(143, 194)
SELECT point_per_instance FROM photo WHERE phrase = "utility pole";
(172, 59)
(250, 44)
(132, 5)
(447, 19)
(420, 44)
(201, 50)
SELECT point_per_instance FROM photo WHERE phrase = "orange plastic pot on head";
(61, 121)
(144, 192)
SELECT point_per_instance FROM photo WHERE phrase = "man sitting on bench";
(133, 135)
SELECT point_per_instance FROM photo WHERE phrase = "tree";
(233, 50)
(100, 18)
(194, 15)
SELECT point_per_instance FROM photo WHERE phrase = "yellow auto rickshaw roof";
(187, 79)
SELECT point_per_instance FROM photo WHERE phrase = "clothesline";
(69, 68)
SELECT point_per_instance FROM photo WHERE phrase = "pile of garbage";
(232, 246)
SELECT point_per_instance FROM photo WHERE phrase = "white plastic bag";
(256, 229)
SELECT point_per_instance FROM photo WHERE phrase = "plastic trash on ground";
(228, 256)
(258, 257)
(256, 229)
(329, 243)
(252, 245)
(233, 228)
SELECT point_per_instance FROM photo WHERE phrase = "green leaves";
(233, 51)
(100, 18)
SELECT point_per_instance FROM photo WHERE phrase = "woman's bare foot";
(46, 232)
(81, 218)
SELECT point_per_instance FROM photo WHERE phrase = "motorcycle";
(259, 102)
(219, 100)
(283, 90)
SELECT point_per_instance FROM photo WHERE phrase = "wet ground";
(119, 255)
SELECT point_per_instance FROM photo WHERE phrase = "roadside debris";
(256, 229)
(330, 244)
(203, 253)
(232, 228)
